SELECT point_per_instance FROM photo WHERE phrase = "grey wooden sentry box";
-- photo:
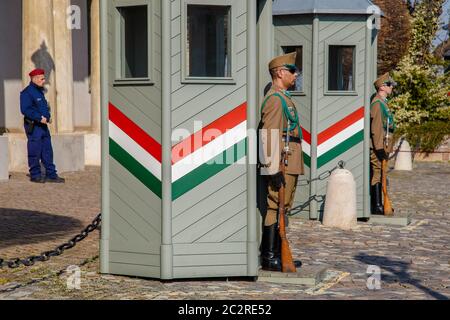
(182, 82)
(337, 44)
(177, 204)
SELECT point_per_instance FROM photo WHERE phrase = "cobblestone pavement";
(414, 260)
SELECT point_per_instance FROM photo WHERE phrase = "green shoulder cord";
(386, 114)
(294, 119)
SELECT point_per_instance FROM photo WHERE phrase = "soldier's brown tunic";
(271, 146)
(272, 118)
(378, 138)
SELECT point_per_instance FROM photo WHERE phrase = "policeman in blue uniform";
(34, 107)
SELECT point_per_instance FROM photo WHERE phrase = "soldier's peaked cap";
(284, 60)
(383, 79)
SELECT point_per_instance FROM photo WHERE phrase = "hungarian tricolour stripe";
(135, 150)
(209, 151)
(213, 148)
(194, 160)
(337, 139)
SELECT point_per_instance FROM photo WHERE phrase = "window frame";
(185, 79)
(118, 36)
(329, 92)
(281, 45)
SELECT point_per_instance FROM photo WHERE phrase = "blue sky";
(443, 34)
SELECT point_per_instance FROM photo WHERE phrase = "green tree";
(421, 102)
(394, 36)
(425, 26)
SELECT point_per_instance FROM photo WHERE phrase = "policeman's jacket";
(33, 104)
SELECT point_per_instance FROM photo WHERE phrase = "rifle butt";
(388, 210)
(287, 263)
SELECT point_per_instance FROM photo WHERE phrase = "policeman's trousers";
(40, 150)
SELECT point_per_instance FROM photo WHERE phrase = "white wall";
(82, 97)
(10, 64)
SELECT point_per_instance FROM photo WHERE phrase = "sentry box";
(176, 202)
(182, 82)
(336, 44)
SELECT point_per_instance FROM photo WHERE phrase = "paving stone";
(414, 259)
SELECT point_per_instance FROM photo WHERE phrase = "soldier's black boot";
(372, 199)
(377, 204)
(270, 257)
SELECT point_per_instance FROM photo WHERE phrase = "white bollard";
(404, 158)
(340, 204)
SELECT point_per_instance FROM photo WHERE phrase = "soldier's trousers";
(375, 169)
(272, 199)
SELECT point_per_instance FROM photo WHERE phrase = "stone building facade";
(62, 37)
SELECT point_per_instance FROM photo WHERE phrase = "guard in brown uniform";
(279, 117)
(381, 128)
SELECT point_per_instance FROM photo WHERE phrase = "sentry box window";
(132, 44)
(298, 87)
(208, 42)
(341, 68)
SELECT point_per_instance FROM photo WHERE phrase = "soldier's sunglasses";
(291, 70)
(390, 84)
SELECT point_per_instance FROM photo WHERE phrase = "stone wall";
(441, 154)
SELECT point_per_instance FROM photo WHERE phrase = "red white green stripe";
(337, 139)
(194, 160)
(306, 147)
(213, 148)
(340, 137)
(209, 151)
(135, 150)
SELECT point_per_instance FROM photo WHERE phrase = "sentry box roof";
(289, 7)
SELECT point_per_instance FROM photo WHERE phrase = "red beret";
(37, 72)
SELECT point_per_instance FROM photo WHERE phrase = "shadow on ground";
(397, 271)
(20, 227)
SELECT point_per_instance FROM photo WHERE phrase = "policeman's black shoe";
(377, 204)
(270, 258)
(56, 180)
(37, 180)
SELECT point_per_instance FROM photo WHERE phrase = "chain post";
(319, 198)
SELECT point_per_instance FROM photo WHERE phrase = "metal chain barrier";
(324, 175)
(45, 278)
(319, 198)
(45, 256)
(395, 154)
(301, 207)
(415, 150)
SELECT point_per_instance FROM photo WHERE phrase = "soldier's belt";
(292, 139)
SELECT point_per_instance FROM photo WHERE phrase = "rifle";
(287, 263)
(388, 210)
